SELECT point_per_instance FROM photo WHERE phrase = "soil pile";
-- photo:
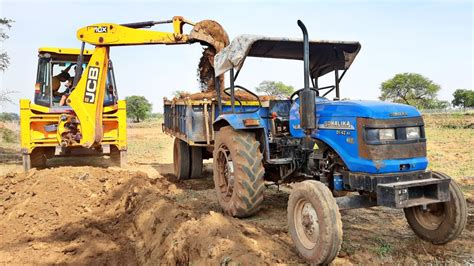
(240, 95)
(88, 215)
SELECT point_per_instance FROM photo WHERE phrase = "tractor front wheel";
(238, 172)
(439, 223)
(314, 222)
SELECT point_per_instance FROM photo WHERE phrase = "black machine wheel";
(38, 157)
(49, 152)
(181, 159)
(314, 222)
(439, 223)
(117, 156)
(238, 172)
(196, 162)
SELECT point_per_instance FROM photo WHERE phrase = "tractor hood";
(369, 109)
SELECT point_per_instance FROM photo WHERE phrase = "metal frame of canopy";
(325, 56)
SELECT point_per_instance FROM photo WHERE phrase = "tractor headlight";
(387, 134)
(376, 134)
(413, 132)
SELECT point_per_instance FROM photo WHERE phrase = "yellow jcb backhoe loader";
(85, 117)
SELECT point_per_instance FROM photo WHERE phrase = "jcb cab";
(47, 130)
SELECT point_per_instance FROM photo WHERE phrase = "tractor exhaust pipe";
(307, 96)
(305, 53)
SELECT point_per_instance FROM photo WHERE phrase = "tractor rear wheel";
(181, 159)
(439, 223)
(238, 172)
(314, 222)
(196, 161)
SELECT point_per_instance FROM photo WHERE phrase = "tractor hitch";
(401, 190)
(413, 193)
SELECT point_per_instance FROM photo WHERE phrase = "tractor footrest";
(413, 193)
(280, 161)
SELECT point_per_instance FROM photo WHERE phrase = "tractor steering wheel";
(246, 90)
(329, 88)
(298, 91)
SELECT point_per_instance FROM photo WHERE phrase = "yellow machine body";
(88, 119)
(42, 125)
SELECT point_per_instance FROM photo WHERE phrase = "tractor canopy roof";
(325, 56)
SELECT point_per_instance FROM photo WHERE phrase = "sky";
(432, 38)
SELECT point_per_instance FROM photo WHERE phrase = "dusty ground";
(142, 215)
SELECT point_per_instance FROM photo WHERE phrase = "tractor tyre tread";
(249, 184)
(181, 159)
(196, 161)
(329, 217)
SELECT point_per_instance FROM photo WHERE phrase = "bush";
(156, 116)
(9, 117)
(8, 135)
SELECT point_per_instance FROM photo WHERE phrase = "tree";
(463, 98)
(4, 58)
(180, 94)
(410, 88)
(5, 96)
(437, 104)
(138, 107)
(275, 88)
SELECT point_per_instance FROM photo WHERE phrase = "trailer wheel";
(196, 162)
(238, 172)
(314, 222)
(181, 159)
(439, 223)
(38, 158)
(117, 156)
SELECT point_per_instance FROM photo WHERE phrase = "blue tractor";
(329, 149)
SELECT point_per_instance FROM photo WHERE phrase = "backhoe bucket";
(211, 33)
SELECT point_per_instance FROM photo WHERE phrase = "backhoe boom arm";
(88, 95)
(110, 34)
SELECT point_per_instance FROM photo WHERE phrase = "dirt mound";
(211, 34)
(239, 95)
(95, 215)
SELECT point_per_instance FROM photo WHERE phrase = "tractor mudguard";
(239, 121)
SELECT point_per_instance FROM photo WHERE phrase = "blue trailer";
(328, 148)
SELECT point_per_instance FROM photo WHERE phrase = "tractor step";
(413, 193)
(280, 161)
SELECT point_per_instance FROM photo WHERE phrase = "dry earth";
(90, 213)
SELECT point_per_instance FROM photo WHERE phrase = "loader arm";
(87, 96)
(110, 34)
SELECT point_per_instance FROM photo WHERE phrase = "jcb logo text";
(91, 85)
